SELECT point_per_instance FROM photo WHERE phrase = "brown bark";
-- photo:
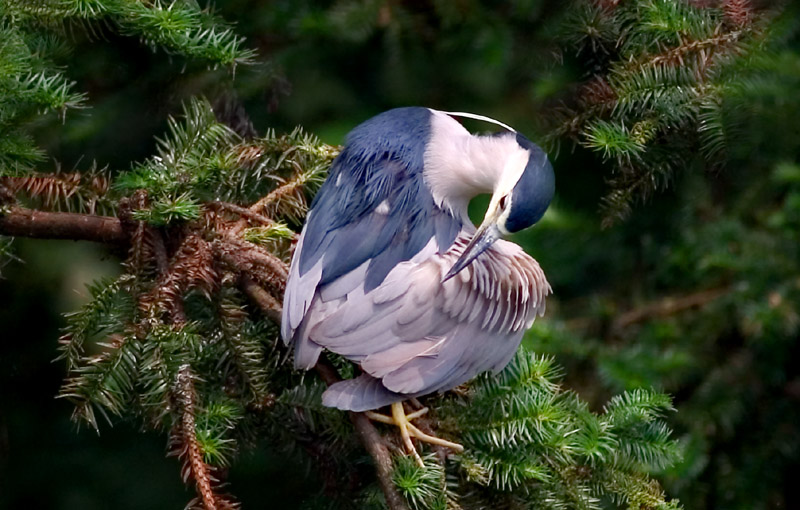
(22, 222)
(667, 306)
(367, 433)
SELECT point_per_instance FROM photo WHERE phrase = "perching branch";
(268, 305)
(22, 222)
(367, 433)
(29, 223)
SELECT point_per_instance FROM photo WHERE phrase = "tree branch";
(372, 441)
(667, 306)
(367, 433)
(242, 211)
(22, 222)
(269, 305)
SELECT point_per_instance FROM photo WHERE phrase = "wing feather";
(373, 213)
(435, 336)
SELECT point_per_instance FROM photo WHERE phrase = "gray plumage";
(367, 279)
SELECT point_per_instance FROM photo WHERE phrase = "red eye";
(503, 202)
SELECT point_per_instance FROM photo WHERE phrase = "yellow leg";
(402, 420)
(372, 415)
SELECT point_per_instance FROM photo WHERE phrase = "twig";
(268, 304)
(242, 211)
(272, 197)
(159, 250)
(667, 306)
(275, 195)
(22, 222)
(193, 454)
(248, 258)
(367, 433)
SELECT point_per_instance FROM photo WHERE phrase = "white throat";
(459, 166)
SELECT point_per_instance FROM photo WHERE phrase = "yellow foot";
(408, 430)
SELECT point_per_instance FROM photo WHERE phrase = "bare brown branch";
(270, 306)
(667, 306)
(242, 211)
(22, 222)
(367, 433)
(289, 188)
(248, 258)
(372, 441)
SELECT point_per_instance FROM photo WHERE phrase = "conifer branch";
(667, 306)
(278, 194)
(269, 305)
(22, 222)
(191, 451)
(242, 211)
(63, 191)
(372, 441)
(367, 433)
(248, 258)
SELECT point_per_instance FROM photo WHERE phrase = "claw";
(402, 420)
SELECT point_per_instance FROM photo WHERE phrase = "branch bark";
(367, 433)
(269, 305)
(667, 306)
(22, 222)
(242, 211)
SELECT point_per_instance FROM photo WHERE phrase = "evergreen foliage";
(662, 76)
(33, 39)
(129, 349)
(530, 442)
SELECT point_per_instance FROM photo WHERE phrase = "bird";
(390, 272)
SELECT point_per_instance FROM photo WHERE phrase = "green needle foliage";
(424, 487)
(33, 39)
(531, 444)
(665, 79)
(171, 342)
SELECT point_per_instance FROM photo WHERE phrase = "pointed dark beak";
(485, 236)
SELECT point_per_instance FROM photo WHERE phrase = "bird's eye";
(503, 201)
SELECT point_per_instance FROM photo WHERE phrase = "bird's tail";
(363, 393)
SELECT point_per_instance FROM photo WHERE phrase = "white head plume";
(481, 117)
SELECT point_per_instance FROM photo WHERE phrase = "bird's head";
(521, 195)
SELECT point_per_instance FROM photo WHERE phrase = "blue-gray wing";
(413, 335)
(372, 213)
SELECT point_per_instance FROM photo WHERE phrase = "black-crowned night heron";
(390, 272)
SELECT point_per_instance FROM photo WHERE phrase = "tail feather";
(363, 393)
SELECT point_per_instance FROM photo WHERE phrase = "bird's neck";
(460, 166)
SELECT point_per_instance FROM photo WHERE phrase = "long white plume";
(481, 117)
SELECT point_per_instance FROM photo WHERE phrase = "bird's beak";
(485, 236)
